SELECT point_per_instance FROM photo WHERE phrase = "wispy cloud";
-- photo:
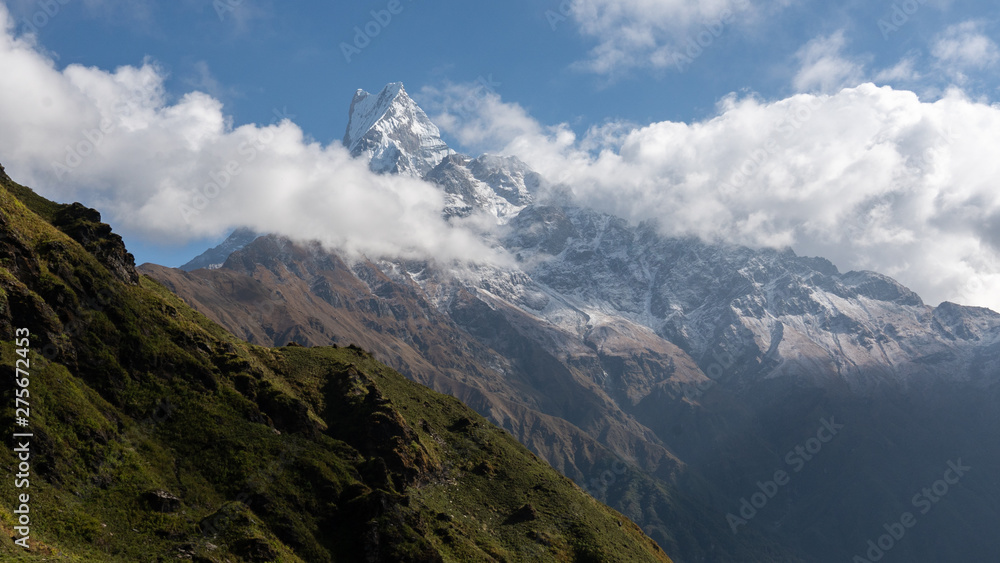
(964, 47)
(202, 79)
(903, 72)
(652, 34)
(823, 66)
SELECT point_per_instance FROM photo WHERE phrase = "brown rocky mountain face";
(636, 420)
(525, 375)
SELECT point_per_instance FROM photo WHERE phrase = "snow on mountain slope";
(498, 186)
(782, 314)
(508, 177)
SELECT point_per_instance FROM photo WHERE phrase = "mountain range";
(146, 432)
(738, 404)
(672, 378)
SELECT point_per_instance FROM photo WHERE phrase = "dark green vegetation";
(158, 435)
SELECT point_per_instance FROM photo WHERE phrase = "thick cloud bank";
(872, 178)
(178, 170)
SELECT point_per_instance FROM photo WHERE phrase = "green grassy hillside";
(157, 435)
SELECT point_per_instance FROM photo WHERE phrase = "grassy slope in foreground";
(159, 435)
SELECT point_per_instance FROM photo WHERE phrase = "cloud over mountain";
(178, 169)
(872, 178)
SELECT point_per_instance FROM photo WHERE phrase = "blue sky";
(569, 80)
(257, 55)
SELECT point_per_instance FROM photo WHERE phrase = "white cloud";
(903, 72)
(823, 67)
(657, 33)
(202, 79)
(476, 115)
(963, 47)
(178, 170)
(872, 178)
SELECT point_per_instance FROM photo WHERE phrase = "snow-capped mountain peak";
(394, 133)
(367, 109)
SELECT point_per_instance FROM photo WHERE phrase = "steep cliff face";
(156, 434)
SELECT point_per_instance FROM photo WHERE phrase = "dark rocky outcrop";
(84, 225)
